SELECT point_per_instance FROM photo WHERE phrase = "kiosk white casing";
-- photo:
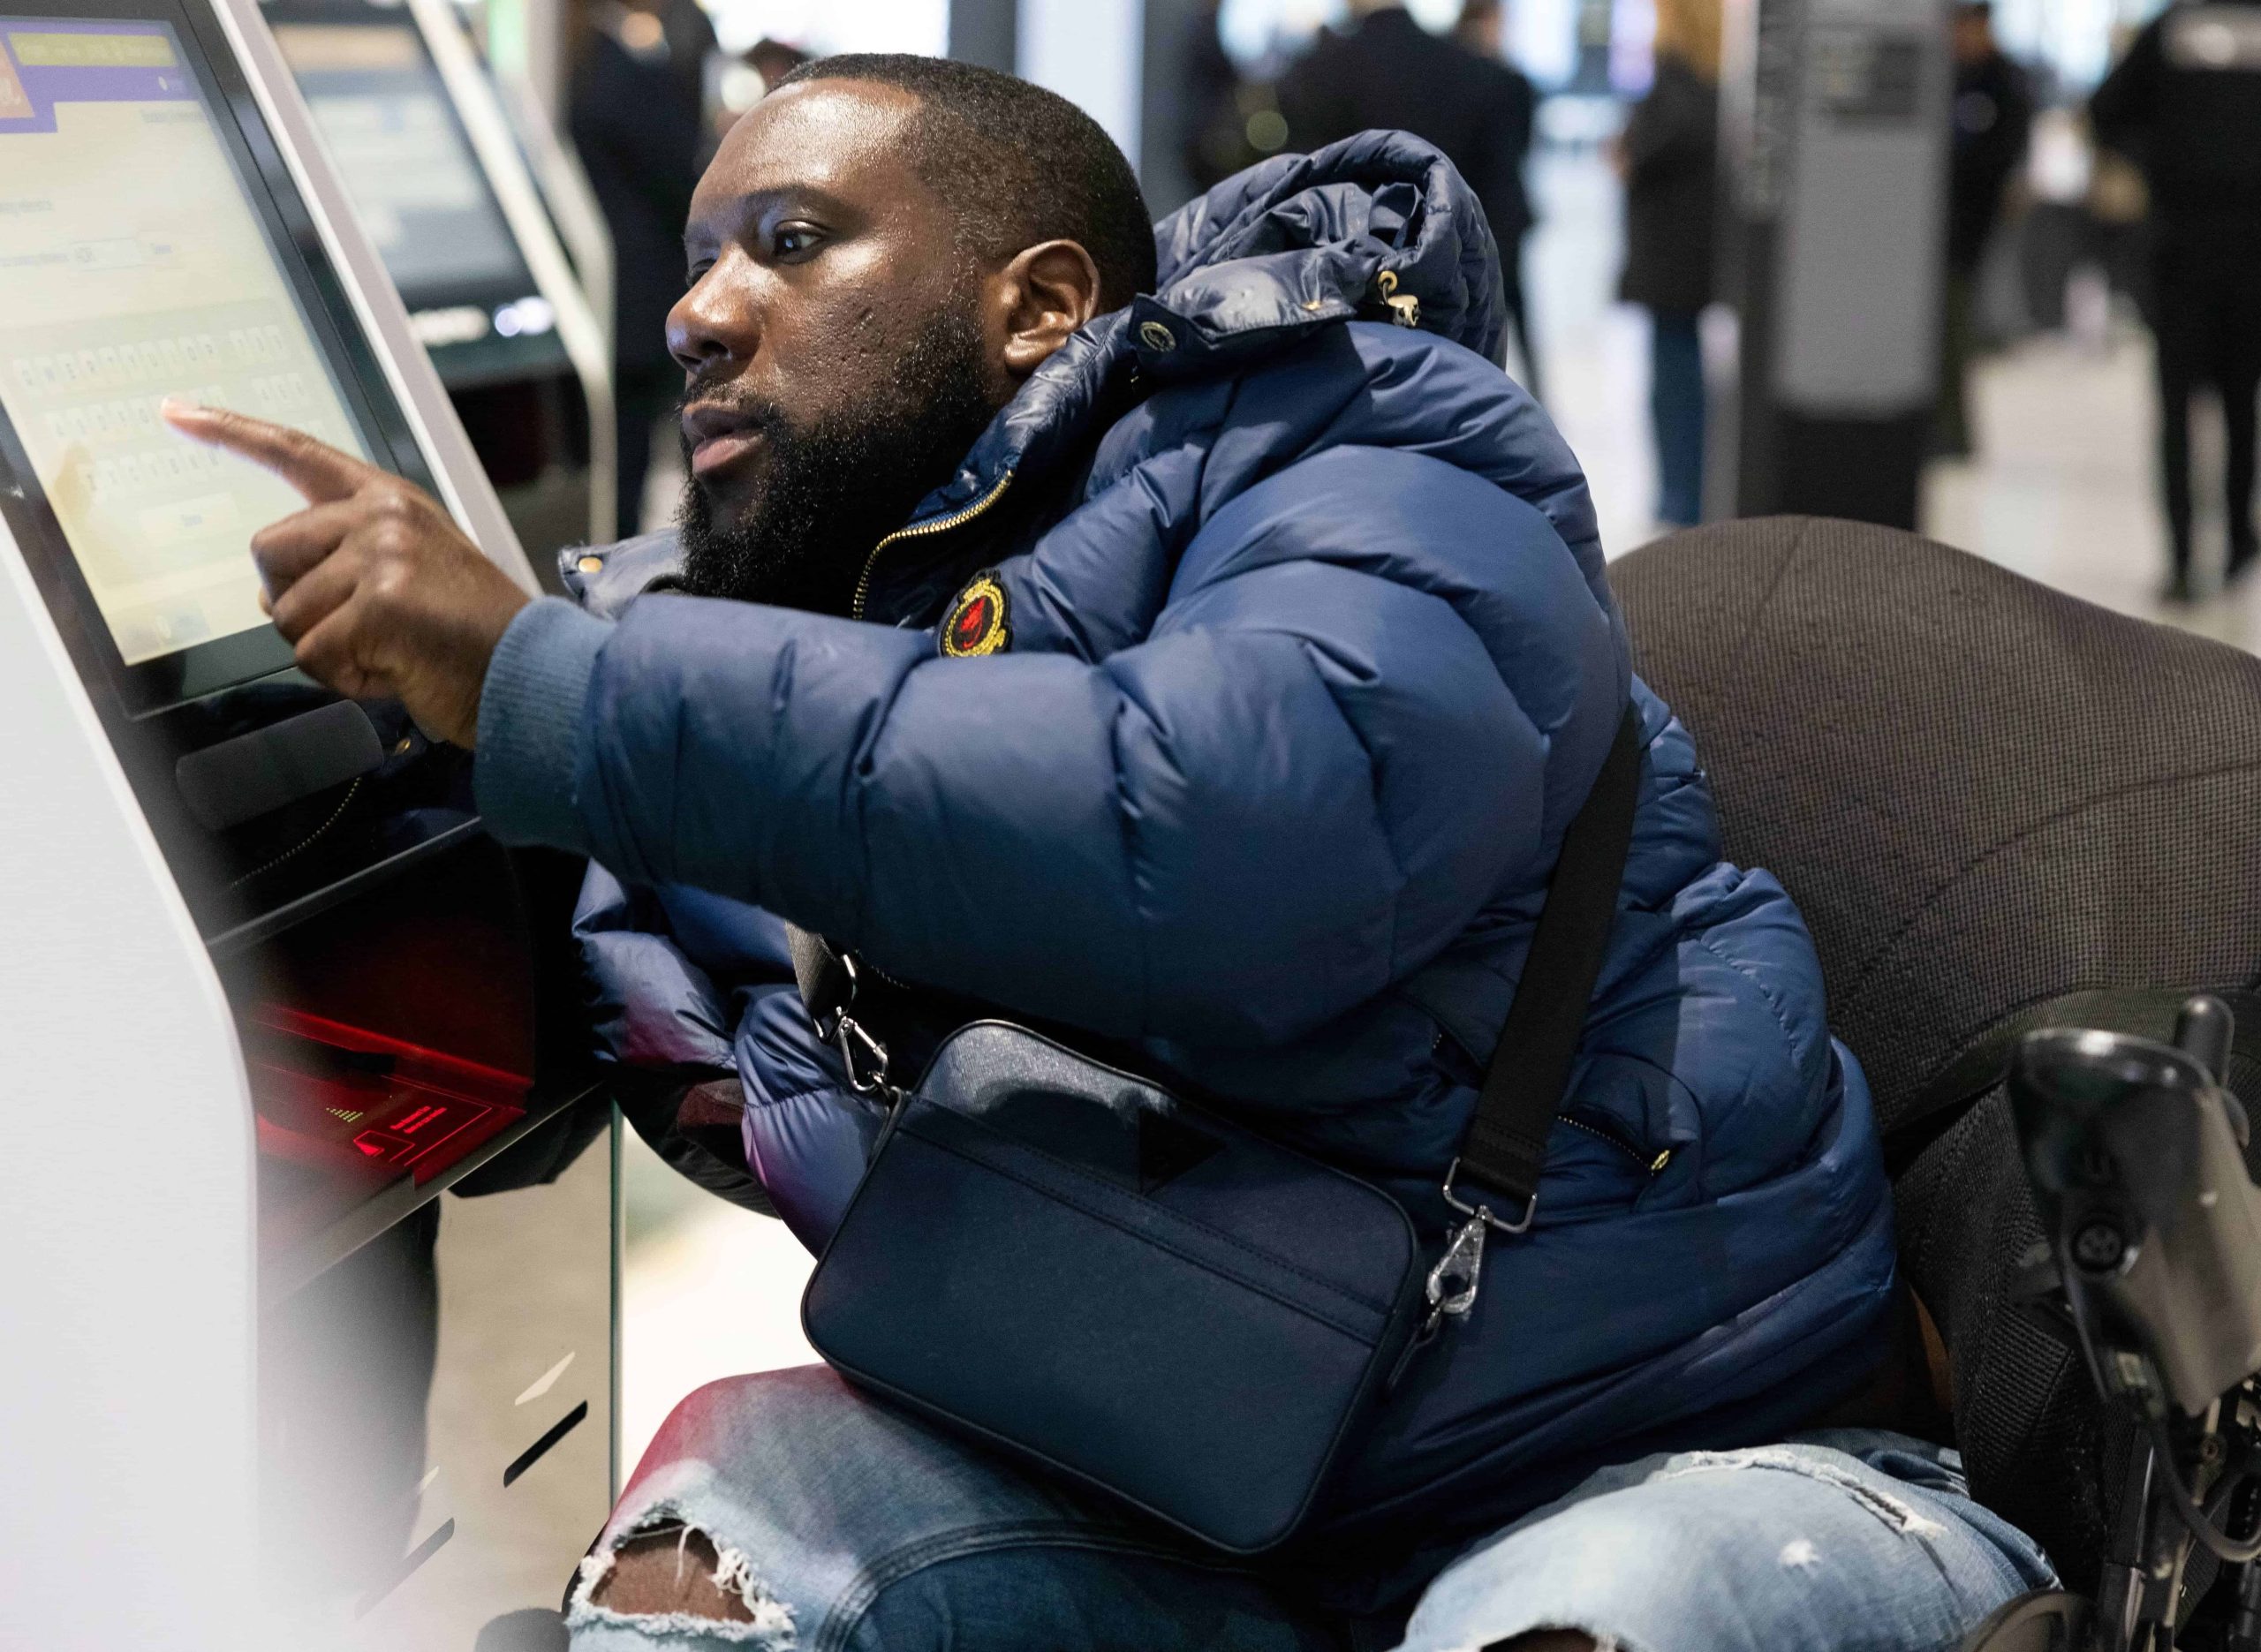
(127, 1396)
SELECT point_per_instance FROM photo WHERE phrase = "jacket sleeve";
(1299, 786)
(651, 1005)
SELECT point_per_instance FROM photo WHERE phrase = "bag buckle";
(1482, 1213)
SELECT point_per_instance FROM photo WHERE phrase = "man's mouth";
(718, 437)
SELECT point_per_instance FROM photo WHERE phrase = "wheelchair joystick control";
(2134, 1152)
(2202, 1030)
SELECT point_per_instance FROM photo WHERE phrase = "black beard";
(836, 488)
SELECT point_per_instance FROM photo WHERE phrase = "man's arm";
(1301, 785)
(1294, 792)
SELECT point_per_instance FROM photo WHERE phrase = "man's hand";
(377, 591)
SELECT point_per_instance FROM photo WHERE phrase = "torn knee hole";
(672, 1570)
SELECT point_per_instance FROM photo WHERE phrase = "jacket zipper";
(1656, 1164)
(941, 524)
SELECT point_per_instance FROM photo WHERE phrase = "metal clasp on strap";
(864, 1056)
(1459, 1273)
(850, 1037)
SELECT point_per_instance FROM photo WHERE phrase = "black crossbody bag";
(1116, 1286)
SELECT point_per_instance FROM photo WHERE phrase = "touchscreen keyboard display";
(133, 267)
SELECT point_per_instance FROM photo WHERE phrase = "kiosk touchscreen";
(353, 982)
(134, 265)
(413, 122)
(153, 243)
(419, 191)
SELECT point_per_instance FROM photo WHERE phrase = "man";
(1993, 122)
(1192, 641)
(2185, 105)
(1386, 71)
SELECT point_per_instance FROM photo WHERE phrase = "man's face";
(832, 336)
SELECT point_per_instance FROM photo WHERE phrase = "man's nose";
(714, 322)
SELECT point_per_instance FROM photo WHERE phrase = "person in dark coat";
(1994, 124)
(637, 118)
(1386, 71)
(1216, 125)
(2185, 105)
(1669, 156)
(1186, 637)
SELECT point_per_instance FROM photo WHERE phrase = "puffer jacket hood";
(1280, 705)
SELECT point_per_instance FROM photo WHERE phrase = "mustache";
(756, 412)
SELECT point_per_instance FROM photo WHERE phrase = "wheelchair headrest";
(1983, 793)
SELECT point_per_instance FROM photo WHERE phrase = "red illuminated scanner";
(329, 1093)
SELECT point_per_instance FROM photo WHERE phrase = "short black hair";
(1017, 163)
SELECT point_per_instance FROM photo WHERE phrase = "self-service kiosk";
(440, 179)
(306, 1212)
(1835, 125)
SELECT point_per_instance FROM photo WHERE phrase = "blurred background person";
(1481, 31)
(774, 59)
(1384, 69)
(2185, 105)
(637, 115)
(1993, 124)
(736, 85)
(1216, 128)
(1669, 156)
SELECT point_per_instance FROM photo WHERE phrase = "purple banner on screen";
(47, 61)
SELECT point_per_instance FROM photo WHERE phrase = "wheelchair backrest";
(1986, 797)
(1984, 794)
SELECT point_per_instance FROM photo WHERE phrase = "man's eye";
(698, 273)
(795, 240)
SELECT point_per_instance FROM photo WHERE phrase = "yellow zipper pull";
(1405, 308)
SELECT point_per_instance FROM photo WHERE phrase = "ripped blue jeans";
(842, 1526)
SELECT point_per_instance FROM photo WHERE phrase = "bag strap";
(1506, 1148)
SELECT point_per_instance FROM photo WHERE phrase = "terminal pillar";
(1835, 140)
(984, 32)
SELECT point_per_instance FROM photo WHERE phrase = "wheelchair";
(1999, 808)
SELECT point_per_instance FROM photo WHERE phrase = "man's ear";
(1045, 293)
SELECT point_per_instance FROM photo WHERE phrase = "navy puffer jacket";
(1307, 662)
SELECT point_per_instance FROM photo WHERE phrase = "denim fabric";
(846, 1527)
(1851, 1539)
(1676, 408)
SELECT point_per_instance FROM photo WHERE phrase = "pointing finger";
(315, 469)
